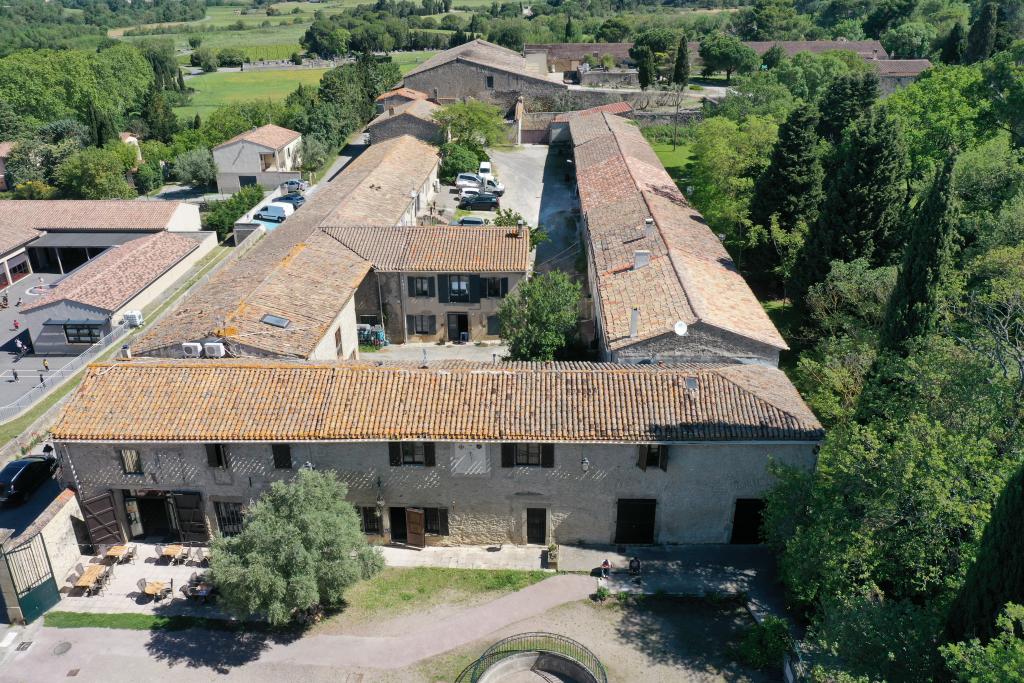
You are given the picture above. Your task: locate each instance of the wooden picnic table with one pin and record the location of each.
(90, 576)
(173, 551)
(154, 587)
(117, 552)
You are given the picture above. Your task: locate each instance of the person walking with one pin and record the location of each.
(46, 365)
(42, 379)
(15, 374)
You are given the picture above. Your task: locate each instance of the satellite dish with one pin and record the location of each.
(680, 328)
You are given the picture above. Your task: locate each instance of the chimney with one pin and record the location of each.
(648, 228)
(391, 111)
(634, 323)
(641, 258)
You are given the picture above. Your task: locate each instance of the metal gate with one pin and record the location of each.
(101, 520)
(191, 520)
(30, 569)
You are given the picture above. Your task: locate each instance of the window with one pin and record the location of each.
(282, 456)
(217, 455)
(458, 288)
(369, 521)
(527, 455)
(421, 286)
(422, 324)
(493, 325)
(495, 287)
(411, 453)
(435, 521)
(131, 461)
(369, 320)
(275, 321)
(652, 455)
(229, 517)
(490, 81)
(83, 333)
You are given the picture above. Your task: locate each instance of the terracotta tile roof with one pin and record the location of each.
(613, 108)
(207, 400)
(421, 109)
(485, 249)
(269, 136)
(485, 54)
(901, 67)
(580, 50)
(13, 235)
(110, 280)
(407, 93)
(5, 148)
(374, 188)
(866, 49)
(297, 271)
(102, 215)
(690, 276)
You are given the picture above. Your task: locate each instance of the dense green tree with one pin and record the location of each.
(161, 123)
(658, 40)
(647, 71)
(324, 39)
(538, 318)
(721, 52)
(787, 196)
(1004, 87)
(759, 94)
(981, 39)
(195, 167)
(954, 48)
(379, 74)
(613, 30)
(205, 58)
(865, 192)
(886, 14)
(772, 20)
(313, 154)
(161, 57)
(93, 174)
(456, 159)
(195, 41)
(808, 75)
(773, 57)
(910, 40)
(997, 575)
(222, 214)
(472, 123)
(1001, 660)
(681, 68)
(570, 32)
(845, 99)
(300, 548)
(922, 285)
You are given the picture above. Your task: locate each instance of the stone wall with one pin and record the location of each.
(459, 80)
(702, 343)
(486, 503)
(404, 124)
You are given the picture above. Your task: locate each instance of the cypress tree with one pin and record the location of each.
(955, 46)
(914, 303)
(568, 28)
(196, 122)
(997, 575)
(864, 196)
(645, 65)
(982, 38)
(181, 81)
(845, 99)
(681, 69)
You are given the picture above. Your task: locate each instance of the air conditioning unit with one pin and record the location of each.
(214, 349)
(192, 349)
(133, 318)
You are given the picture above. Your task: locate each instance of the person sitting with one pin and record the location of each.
(634, 567)
(606, 567)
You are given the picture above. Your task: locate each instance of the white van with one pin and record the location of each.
(274, 212)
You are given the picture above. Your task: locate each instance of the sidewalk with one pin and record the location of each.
(467, 557)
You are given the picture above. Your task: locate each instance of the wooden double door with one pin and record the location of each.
(408, 526)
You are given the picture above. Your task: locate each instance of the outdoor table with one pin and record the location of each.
(90, 576)
(154, 588)
(172, 551)
(117, 552)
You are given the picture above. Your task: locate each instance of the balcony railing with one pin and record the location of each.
(548, 643)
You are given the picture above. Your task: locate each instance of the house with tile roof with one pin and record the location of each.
(561, 57)
(481, 70)
(663, 287)
(894, 74)
(397, 97)
(87, 304)
(6, 146)
(415, 118)
(451, 452)
(265, 156)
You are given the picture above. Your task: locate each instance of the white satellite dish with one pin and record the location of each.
(680, 328)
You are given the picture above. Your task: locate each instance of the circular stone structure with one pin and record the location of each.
(535, 656)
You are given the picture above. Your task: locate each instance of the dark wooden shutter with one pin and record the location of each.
(431, 292)
(191, 520)
(442, 520)
(442, 289)
(410, 324)
(474, 289)
(663, 458)
(212, 458)
(101, 520)
(504, 286)
(428, 454)
(508, 455)
(547, 455)
(395, 454)
(412, 286)
(641, 457)
(433, 319)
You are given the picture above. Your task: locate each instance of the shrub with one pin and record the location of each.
(230, 56)
(602, 594)
(222, 215)
(296, 58)
(764, 645)
(456, 159)
(195, 167)
(34, 189)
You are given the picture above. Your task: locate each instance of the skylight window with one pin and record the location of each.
(275, 321)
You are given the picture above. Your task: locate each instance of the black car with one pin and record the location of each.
(20, 478)
(293, 198)
(480, 202)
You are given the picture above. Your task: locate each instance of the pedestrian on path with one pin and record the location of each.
(46, 365)
(15, 373)
(42, 379)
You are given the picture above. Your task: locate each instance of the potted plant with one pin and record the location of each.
(553, 556)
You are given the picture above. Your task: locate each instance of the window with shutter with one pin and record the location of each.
(528, 454)
(493, 325)
(429, 459)
(508, 455)
(217, 456)
(131, 461)
(370, 521)
(547, 455)
(395, 454)
(652, 455)
(413, 453)
(282, 456)
(442, 289)
(474, 289)
(435, 521)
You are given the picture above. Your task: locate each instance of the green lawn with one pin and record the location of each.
(675, 160)
(146, 622)
(217, 89)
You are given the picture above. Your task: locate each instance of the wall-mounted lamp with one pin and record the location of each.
(585, 464)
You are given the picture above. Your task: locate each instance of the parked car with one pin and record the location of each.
(293, 198)
(465, 180)
(295, 186)
(21, 477)
(274, 212)
(481, 202)
(466, 192)
(472, 221)
(485, 169)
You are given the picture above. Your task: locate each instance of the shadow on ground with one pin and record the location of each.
(693, 633)
(220, 648)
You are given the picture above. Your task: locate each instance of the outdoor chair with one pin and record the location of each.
(184, 557)
(194, 579)
(141, 585)
(129, 556)
(168, 590)
(159, 552)
(79, 569)
(201, 557)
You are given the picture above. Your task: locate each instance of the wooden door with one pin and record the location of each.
(415, 532)
(635, 521)
(536, 525)
(191, 520)
(101, 520)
